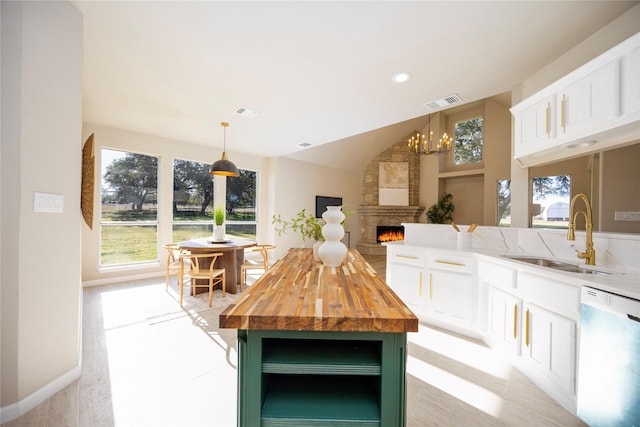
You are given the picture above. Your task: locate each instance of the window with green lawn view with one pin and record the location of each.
(129, 214)
(192, 200)
(550, 201)
(468, 141)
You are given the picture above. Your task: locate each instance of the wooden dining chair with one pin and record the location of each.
(258, 266)
(172, 264)
(196, 268)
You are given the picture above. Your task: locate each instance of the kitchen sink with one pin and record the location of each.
(555, 265)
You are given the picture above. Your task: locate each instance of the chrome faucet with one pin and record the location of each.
(590, 254)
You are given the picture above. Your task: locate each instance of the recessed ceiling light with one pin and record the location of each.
(304, 144)
(401, 77)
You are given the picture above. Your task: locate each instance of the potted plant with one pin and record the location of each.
(307, 226)
(441, 212)
(218, 218)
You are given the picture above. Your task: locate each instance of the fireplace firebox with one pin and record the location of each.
(389, 233)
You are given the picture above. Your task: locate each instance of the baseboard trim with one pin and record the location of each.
(18, 409)
(119, 279)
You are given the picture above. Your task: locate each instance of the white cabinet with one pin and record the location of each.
(550, 323)
(590, 101)
(451, 291)
(503, 327)
(437, 286)
(550, 345)
(535, 126)
(596, 106)
(503, 307)
(406, 275)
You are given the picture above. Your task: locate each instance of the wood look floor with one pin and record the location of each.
(149, 363)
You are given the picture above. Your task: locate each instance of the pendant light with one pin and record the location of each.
(223, 166)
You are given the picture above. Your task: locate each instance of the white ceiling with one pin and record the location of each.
(317, 72)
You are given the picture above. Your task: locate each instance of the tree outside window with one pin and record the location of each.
(192, 200)
(468, 141)
(129, 220)
(241, 205)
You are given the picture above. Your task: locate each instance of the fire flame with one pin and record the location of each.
(390, 236)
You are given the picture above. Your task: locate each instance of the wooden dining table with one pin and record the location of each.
(231, 259)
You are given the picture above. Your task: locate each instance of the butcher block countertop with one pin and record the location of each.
(298, 294)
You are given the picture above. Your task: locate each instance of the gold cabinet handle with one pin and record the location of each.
(546, 119)
(420, 286)
(430, 286)
(415, 258)
(515, 321)
(562, 114)
(526, 328)
(457, 264)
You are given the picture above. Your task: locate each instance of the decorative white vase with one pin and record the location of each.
(316, 247)
(219, 233)
(332, 251)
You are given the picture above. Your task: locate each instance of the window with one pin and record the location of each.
(241, 205)
(468, 140)
(192, 200)
(504, 203)
(550, 201)
(129, 220)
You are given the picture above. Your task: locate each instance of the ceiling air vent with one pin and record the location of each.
(246, 112)
(444, 102)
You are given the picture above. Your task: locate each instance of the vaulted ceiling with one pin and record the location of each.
(315, 72)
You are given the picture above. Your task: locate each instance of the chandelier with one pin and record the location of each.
(424, 144)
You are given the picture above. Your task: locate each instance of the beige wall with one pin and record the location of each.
(41, 152)
(295, 185)
(473, 186)
(620, 188)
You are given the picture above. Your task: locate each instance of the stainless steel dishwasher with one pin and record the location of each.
(609, 359)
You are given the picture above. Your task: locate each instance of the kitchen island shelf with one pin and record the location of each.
(306, 356)
(302, 400)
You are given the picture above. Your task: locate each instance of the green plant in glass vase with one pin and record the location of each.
(307, 226)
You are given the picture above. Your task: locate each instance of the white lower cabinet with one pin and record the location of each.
(529, 317)
(451, 290)
(503, 325)
(406, 275)
(550, 345)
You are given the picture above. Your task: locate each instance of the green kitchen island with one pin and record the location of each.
(320, 346)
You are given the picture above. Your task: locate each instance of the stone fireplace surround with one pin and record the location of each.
(372, 214)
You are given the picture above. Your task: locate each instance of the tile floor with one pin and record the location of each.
(149, 363)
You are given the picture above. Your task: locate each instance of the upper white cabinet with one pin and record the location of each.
(594, 107)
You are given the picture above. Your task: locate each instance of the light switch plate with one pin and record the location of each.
(46, 202)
